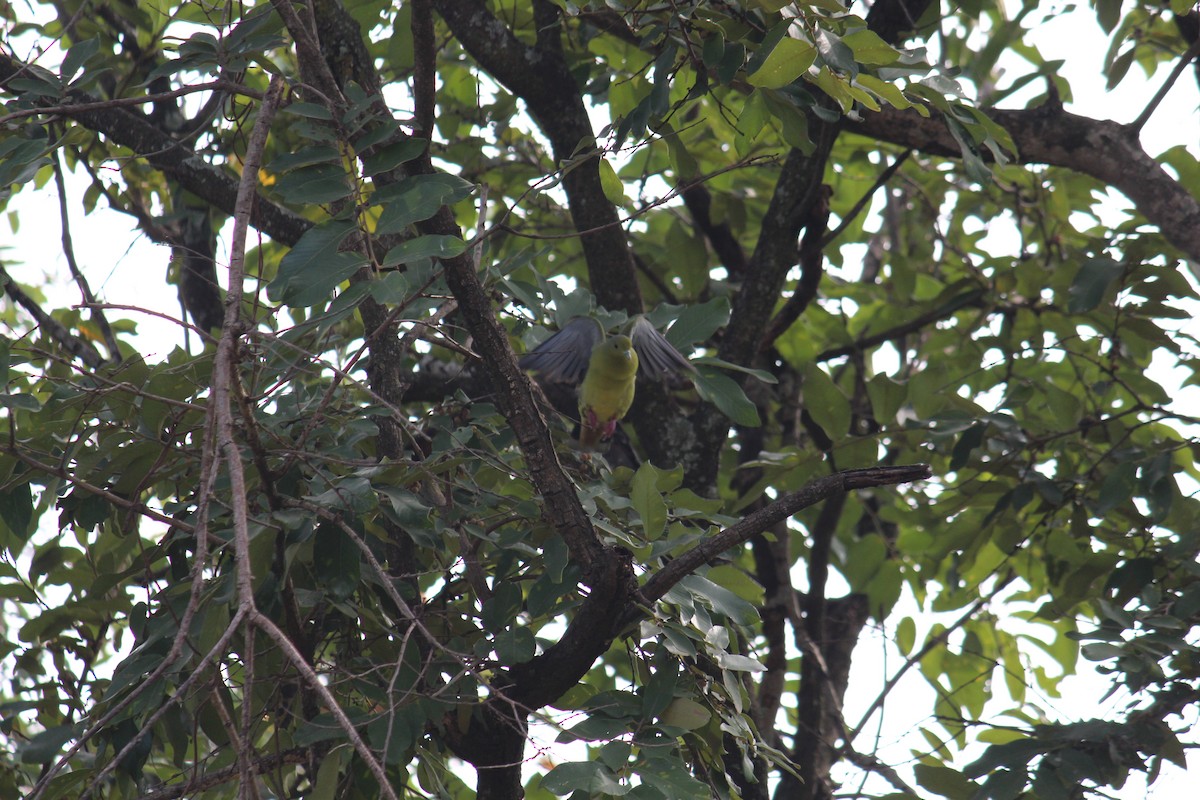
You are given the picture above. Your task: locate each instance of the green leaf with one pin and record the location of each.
(388, 158)
(685, 164)
(759, 374)
(648, 501)
(825, 403)
(319, 183)
(337, 561)
(305, 157)
(887, 396)
(406, 510)
(790, 59)
(944, 781)
(868, 48)
(575, 698)
(977, 170)
(20, 160)
(329, 774)
(25, 402)
(16, 510)
(721, 599)
(1119, 68)
(732, 59)
(502, 607)
(417, 198)
(835, 53)
(309, 111)
(428, 246)
(590, 777)
(68, 784)
(1101, 651)
(863, 559)
(970, 439)
(686, 714)
(324, 727)
(1092, 282)
(906, 635)
(35, 81)
(738, 581)
(778, 32)
(887, 91)
(42, 748)
(739, 663)
(311, 270)
(688, 257)
(1117, 488)
(5, 358)
(613, 189)
(697, 323)
(660, 689)
(792, 121)
(515, 645)
(1108, 14)
(669, 778)
(727, 395)
(77, 57)
(751, 123)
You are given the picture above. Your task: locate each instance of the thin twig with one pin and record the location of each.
(117, 102)
(221, 409)
(916, 657)
(110, 341)
(880, 181)
(198, 783)
(1180, 66)
(148, 725)
(944, 311)
(267, 626)
(675, 191)
(76, 482)
(79, 348)
(811, 494)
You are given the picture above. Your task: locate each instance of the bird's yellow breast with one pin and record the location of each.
(608, 386)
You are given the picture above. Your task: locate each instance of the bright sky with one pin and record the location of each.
(1177, 121)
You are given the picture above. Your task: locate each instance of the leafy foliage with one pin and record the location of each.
(335, 545)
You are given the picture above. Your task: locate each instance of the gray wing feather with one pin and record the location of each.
(563, 358)
(656, 356)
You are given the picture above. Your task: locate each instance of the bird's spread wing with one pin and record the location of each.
(657, 356)
(563, 358)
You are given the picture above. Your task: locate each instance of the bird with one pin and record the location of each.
(605, 368)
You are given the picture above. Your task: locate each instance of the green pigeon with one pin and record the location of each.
(605, 368)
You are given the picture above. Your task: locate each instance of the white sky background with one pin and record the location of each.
(1079, 41)
(125, 268)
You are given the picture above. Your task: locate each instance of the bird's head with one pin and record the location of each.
(615, 355)
(621, 346)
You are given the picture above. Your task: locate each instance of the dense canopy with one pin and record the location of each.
(327, 539)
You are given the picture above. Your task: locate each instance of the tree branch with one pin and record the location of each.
(213, 184)
(1188, 57)
(196, 784)
(880, 181)
(699, 204)
(1105, 150)
(811, 494)
(85, 289)
(812, 262)
(945, 311)
(79, 348)
(424, 68)
(540, 76)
